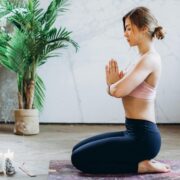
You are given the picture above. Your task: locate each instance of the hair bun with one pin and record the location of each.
(159, 32)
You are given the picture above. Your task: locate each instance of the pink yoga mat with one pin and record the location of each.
(64, 170)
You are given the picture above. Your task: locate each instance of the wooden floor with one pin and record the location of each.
(56, 141)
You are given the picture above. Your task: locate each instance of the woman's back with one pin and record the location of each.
(143, 107)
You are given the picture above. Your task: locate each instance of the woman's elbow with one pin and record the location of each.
(117, 93)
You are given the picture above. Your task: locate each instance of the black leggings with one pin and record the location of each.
(118, 152)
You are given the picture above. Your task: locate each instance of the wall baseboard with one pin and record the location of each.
(44, 123)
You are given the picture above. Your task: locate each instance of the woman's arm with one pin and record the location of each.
(128, 83)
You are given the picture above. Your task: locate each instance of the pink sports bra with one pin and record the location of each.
(144, 91)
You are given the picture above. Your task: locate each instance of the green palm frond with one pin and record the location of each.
(7, 7)
(19, 20)
(56, 39)
(26, 21)
(62, 5)
(49, 52)
(34, 10)
(61, 35)
(53, 10)
(33, 5)
(18, 52)
(33, 41)
(39, 95)
(10, 52)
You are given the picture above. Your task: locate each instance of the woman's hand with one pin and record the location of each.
(112, 72)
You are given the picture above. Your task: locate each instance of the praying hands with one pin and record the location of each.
(112, 72)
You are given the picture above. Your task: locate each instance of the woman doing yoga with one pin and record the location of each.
(132, 150)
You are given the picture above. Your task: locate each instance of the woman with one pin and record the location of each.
(132, 150)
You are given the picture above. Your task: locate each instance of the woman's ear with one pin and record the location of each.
(145, 29)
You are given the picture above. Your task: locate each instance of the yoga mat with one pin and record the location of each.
(64, 170)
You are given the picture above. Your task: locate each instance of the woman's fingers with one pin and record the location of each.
(113, 66)
(107, 69)
(121, 74)
(107, 74)
(116, 66)
(110, 66)
(112, 72)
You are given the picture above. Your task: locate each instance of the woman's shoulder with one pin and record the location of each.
(154, 55)
(150, 60)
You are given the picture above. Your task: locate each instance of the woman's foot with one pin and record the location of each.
(153, 166)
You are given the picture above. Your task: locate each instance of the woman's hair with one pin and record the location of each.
(142, 17)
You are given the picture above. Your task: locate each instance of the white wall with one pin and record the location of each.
(75, 82)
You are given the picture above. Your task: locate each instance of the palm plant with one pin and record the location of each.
(33, 41)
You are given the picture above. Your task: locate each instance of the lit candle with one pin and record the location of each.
(9, 168)
(9, 155)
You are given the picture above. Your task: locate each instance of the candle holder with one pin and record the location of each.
(10, 170)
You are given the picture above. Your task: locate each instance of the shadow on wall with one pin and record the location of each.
(8, 95)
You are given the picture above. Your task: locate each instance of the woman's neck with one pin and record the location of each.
(145, 47)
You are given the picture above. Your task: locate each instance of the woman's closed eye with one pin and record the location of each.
(128, 29)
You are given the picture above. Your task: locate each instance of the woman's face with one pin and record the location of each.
(131, 33)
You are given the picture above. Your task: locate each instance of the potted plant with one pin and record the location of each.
(32, 42)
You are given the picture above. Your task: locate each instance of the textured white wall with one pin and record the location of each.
(76, 88)
(75, 82)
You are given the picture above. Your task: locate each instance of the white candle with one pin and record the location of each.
(9, 155)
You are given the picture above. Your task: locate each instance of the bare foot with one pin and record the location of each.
(166, 165)
(153, 166)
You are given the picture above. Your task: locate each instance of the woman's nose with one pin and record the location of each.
(125, 34)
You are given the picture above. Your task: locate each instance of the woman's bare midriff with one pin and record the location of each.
(136, 108)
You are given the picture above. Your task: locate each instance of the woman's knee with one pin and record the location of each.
(75, 159)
